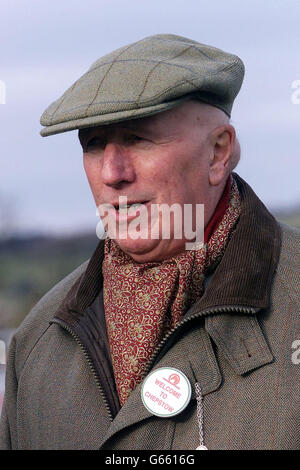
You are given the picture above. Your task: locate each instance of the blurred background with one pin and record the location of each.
(47, 215)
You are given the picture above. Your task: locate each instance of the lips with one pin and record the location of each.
(129, 205)
(125, 211)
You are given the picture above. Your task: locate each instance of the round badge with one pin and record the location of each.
(166, 392)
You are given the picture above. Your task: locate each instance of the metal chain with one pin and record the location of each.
(199, 398)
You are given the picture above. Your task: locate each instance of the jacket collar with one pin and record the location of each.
(236, 280)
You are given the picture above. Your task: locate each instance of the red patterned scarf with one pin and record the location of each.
(143, 301)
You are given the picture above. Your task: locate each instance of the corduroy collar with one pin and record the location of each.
(243, 277)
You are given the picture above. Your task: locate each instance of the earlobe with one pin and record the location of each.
(216, 175)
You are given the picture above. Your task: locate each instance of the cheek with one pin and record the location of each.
(87, 167)
(165, 167)
(91, 168)
(171, 177)
(92, 171)
(154, 173)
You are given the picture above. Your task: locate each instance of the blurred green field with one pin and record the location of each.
(30, 267)
(292, 219)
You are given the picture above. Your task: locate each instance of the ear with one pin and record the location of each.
(222, 141)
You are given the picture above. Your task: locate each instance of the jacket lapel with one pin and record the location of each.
(241, 340)
(194, 356)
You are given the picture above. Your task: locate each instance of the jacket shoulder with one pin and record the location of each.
(289, 259)
(37, 321)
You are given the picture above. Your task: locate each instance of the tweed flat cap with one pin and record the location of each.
(145, 78)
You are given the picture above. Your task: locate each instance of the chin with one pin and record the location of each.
(144, 251)
(138, 249)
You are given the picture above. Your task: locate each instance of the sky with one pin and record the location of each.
(46, 45)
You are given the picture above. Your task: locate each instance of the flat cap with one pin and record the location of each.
(145, 78)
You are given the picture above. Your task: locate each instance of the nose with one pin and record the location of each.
(117, 167)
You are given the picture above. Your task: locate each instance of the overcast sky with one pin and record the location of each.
(46, 45)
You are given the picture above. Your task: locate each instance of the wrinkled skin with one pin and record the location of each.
(183, 155)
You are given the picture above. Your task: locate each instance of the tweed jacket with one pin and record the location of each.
(237, 341)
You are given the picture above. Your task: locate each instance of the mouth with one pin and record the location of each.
(131, 205)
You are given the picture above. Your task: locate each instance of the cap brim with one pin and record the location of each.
(103, 119)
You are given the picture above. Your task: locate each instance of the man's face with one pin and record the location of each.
(162, 159)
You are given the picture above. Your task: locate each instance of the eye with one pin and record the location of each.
(95, 142)
(135, 138)
(138, 139)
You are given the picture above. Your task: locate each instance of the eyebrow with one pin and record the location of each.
(84, 133)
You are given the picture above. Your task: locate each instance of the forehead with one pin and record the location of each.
(189, 117)
(173, 119)
(150, 124)
(124, 125)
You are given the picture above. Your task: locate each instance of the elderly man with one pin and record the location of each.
(152, 344)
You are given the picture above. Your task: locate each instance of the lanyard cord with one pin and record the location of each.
(199, 399)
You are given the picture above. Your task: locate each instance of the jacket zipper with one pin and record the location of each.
(162, 343)
(90, 362)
